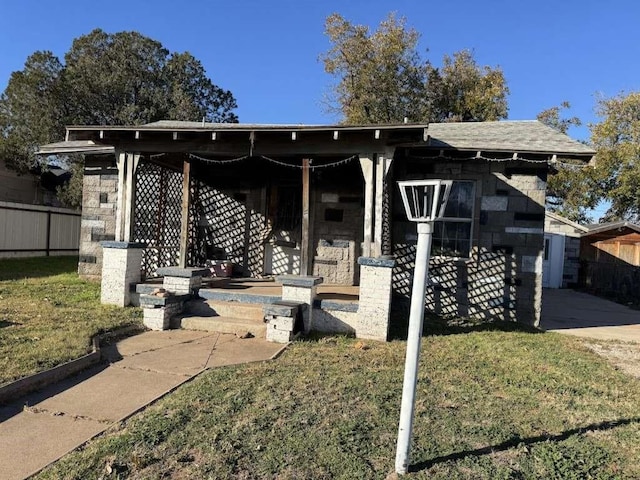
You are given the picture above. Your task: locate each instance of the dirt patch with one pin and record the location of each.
(625, 356)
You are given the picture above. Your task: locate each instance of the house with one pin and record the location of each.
(610, 255)
(322, 201)
(561, 254)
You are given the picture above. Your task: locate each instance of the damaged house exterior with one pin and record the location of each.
(322, 202)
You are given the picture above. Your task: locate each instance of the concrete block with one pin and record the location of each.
(279, 336)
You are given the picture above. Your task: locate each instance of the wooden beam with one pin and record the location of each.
(305, 244)
(186, 202)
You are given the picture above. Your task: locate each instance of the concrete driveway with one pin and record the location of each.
(583, 315)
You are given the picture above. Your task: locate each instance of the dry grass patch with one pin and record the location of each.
(48, 315)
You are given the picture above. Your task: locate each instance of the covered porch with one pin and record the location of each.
(250, 205)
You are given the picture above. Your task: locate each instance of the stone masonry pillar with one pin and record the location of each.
(301, 288)
(374, 306)
(181, 281)
(121, 263)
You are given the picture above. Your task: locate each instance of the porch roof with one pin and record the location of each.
(527, 136)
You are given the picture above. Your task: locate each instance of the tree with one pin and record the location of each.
(115, 79)
(617, 142)
(32, 110)
(463, 91)
(383, 79)
(570, 190)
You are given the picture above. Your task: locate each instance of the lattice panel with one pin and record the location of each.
(458, 288)
(386, 245)
(223, 225)
(157, 214)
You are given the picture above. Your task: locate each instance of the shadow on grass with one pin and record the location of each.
(437, 325)
(37, 267)
(517, 441)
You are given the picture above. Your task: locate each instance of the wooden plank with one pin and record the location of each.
(186, 202)
(305, 257)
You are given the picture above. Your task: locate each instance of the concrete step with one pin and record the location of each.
(211, 308)
(222, 324)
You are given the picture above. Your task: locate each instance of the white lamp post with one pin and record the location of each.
(424, 201)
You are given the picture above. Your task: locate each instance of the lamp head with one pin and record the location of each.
(425, 200)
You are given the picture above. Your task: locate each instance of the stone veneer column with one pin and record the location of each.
(375, 298)
(301, 288)
(182, 280)
(121, 263)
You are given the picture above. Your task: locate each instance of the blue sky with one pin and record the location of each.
(266, 52)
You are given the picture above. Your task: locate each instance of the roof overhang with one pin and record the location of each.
(514, 139)
(76, 146)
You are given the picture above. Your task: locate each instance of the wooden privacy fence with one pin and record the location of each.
(34, 230)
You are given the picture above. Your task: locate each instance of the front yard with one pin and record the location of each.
(494, 401)
(490, 405)
(48, 315)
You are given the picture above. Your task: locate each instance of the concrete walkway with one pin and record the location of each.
(584, 315)
(42, 427)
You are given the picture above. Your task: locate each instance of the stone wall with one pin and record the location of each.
(502, 277)
(99, 198)
(338, 232)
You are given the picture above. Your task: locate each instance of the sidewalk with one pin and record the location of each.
(583, 315)
(42, 427)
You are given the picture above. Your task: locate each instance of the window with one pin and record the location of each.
(452, 233)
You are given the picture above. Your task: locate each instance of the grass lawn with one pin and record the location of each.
(48, 315)
(492, 404)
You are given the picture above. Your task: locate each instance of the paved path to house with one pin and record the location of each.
(584, 315)
(42, 427)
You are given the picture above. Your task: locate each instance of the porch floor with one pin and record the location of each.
(270, 290)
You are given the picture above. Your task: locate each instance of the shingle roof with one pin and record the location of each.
(604, 227)
(509, 136)
(523, 136)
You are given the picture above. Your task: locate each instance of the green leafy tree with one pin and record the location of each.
(32, 110)
(381, 78)
(617, 140)
(571, 189)
(114, 79)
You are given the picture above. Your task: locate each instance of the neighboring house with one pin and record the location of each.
(561, 264)
(303, 199)
(19, 188)
(31, 189)
(610, 254)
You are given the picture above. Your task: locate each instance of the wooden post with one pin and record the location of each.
(382, 166)
(186, 202)
(121, 159)
(130, 195)
(366, 163)
(305, 259)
